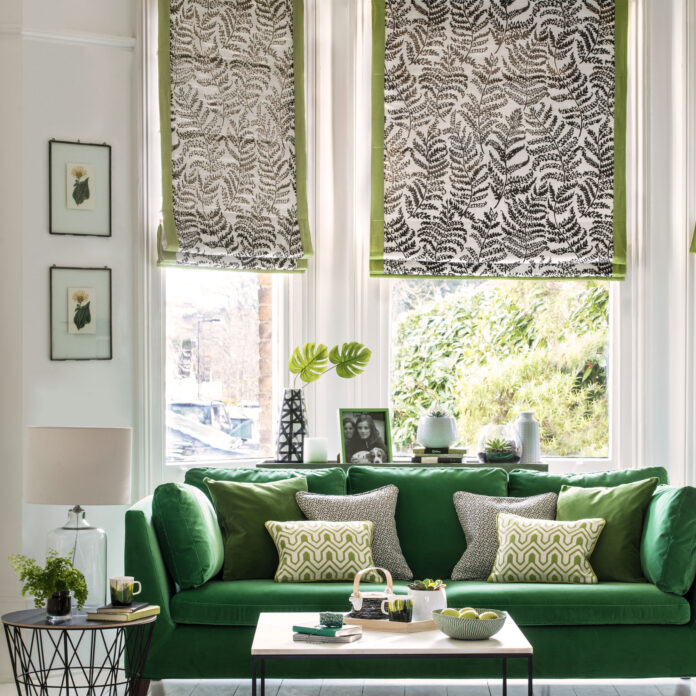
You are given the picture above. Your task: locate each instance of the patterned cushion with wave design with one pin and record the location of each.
(545, 550)
(322, 551)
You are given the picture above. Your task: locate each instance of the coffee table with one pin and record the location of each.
(273, 640)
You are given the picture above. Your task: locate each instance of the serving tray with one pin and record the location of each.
(394, 626)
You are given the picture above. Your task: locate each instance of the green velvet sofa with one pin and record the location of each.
(608, 630)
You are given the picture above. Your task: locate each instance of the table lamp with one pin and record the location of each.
(65, 466)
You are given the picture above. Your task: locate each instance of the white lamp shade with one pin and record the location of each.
(78, 466)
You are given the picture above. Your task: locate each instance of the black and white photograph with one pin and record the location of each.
(365, 435)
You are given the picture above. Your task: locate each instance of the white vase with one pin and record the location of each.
(528, 431)
(425, 601)
(437, 432)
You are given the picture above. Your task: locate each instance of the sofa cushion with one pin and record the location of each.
(188, 534)
(668, 547)
(243, 509)
(427, 524)
(617, 554)
(328, 481)
(524, 483)
(239, 603)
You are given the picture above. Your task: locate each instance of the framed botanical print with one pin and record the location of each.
(365, 435)
(79, 185)
(80, 301)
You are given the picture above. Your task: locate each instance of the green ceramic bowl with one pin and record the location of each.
(469, 629)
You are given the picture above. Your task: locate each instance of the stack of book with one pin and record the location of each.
(438, 455)
(137, 610)
(322, 634)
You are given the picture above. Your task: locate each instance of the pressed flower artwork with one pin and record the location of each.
(81, 304)
(79, 186)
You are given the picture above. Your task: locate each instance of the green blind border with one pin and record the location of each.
(167, 230)
(377, 164)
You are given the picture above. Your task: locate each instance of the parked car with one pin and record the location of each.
(216, 415)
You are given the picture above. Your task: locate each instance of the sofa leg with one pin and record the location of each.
(143, 687)
(685, 678)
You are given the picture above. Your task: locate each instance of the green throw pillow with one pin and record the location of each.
(242, 510)
(668, 547)
(322, 551)
(617, 555)
(188, 534)
(545, 550)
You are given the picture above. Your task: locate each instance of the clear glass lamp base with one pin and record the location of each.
(86, 546)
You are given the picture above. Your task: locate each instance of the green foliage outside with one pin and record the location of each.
(492, 348)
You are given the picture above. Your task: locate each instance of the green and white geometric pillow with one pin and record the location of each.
(322, 551)
(545, 550)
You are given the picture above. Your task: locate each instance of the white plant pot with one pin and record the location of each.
(437, 432)
(425, 601)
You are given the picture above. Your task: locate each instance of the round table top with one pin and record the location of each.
(36, 618)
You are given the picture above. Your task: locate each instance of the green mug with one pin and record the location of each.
(398, 609)
(123, 590)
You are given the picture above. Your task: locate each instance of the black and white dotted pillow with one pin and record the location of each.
(478, 515)
(376, 506)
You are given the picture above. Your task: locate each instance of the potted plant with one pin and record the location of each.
(308, 363)
(498, 444)
(427, 595)
(52, 586)
(438, 427)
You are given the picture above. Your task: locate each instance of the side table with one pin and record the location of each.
(77, 656)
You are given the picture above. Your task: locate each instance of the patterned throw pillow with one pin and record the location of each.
(322, 551)
(545, 550)
(478, 515)
(378, 507)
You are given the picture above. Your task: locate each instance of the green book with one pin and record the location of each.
(324, 631)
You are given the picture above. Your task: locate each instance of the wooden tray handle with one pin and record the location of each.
(358, 577)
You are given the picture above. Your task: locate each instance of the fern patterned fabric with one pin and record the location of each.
(322, 551)
(233, 134)
(499, 138)
(545, 550)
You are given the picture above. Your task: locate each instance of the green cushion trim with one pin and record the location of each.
(523, 483)
(431, 537)
(327, 481)
(243, 509)
(240, 603)
(188, 533)
(617, 554)
(668, 547)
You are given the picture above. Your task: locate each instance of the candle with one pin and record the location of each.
(315, 449)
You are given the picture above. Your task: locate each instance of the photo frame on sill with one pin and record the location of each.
(79, 188)
(365, 435)
(80, 313)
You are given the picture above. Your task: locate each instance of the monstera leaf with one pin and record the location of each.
(350, 360)
(309, 361)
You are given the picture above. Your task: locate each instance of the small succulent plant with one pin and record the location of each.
(426, 584)
(438, 412)
(498, 444)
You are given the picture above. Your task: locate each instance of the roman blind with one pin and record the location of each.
(231, 93)
(498, 138)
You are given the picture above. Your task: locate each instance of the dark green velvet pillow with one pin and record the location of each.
(617, 554)
(188, 534)
(431, 537)
(668, 548)
(326, 481)
(522, 484)
(243, 509)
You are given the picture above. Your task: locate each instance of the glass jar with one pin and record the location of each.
(498, 444)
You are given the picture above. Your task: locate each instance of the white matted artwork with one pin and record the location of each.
(79, 188)
(80, 313)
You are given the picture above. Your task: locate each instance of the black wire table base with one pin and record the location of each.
(87, 662)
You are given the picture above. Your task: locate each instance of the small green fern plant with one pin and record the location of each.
(311, 360)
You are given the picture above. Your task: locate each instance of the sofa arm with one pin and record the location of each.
(143, 560)
(668, 546)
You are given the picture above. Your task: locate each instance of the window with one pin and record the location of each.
(492, 348)
(219, 371)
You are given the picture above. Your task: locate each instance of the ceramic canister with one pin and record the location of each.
(424, 601)
(528, 432)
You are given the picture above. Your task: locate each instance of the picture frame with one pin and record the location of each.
(375, 424)
(80, 313)
(79, 188)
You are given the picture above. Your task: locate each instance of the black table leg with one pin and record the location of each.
(263, 677)
(253, 676)
(505, 676)
(530, 683)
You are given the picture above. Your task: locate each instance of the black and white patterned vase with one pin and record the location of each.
(292, 427)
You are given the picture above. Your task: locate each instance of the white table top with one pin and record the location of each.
(274, 637)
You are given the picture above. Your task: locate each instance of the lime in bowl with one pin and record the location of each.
(470, 623)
